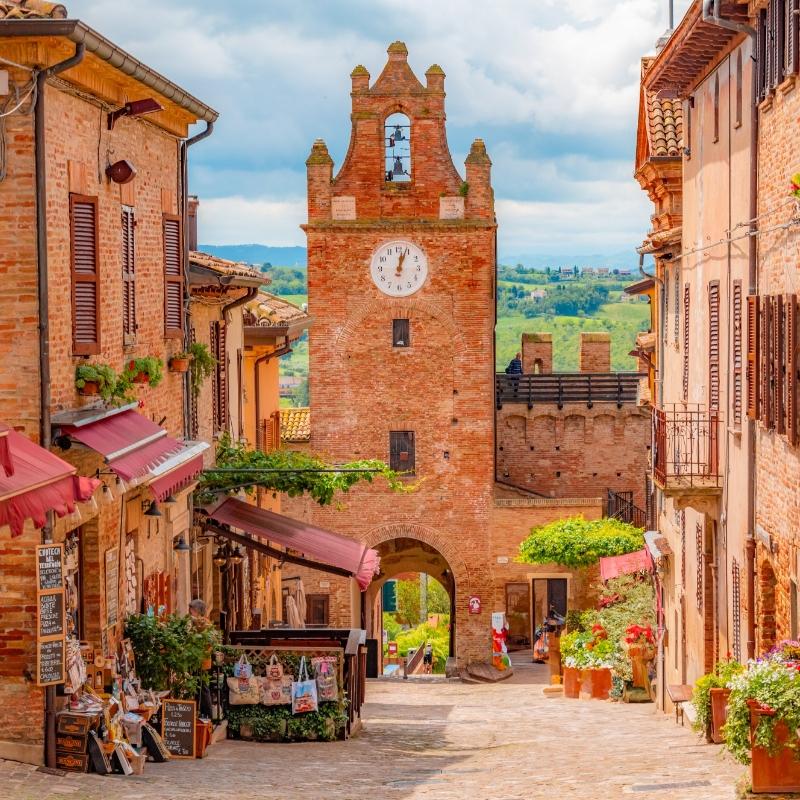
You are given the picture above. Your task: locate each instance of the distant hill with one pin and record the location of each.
(259, 254)
(621, 260)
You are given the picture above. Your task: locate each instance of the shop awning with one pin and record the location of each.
(613, 566)
(6, 465)
(137, 449)
(321, 549)
(34, 481)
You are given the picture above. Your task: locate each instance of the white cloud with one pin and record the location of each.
(240, 220)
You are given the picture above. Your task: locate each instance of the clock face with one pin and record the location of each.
(399, 268)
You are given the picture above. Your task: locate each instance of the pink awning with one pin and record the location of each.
(613, 566)
(135, 447)
(5, 453)
(39, 482)
(330, 548)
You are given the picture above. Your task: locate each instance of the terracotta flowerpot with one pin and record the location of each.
(90, 388)
(641, 655)
(179, 365)
(141, 377)
(572, 683)
(778, 773)
(719, 713)
(202, 737)
(595, 684)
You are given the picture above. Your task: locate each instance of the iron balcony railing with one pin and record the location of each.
(568, 387)
(620, 506)
(686, 448)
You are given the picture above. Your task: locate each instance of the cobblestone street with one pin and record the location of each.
(438, 739)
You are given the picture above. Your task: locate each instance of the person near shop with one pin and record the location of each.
(200, 621)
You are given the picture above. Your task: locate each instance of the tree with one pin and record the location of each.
(300, 394)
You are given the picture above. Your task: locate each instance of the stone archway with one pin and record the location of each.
(410, 547)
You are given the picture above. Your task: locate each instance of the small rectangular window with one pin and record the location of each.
(401, 333)
(402, 456)
(318, 609)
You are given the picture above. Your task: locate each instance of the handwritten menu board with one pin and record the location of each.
(50, 614)
(50, 662)
(178, 719)
(112, 586)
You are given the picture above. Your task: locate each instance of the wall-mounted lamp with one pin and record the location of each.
(153, 510)
(169, 500)
(136, 108)
(180, 546)
(121, 171)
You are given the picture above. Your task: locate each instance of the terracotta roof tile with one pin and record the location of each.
(224, 267)
(31, 9)
(664, 125)
(269, 309)
(295, 424)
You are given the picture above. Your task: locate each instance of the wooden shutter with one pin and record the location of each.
(128, 275)
(779, 41)
(778, 364)
(220, 401)
(402, 455)
(792, 34)
(738, 360)
(194, 417)
(791, 368)
(761, 55)
(765, 365)
(716, 106)
(173, 276)
(677, 301)
(686, 342)
(739, 87)
(753, 341)
(713, 346)
(85, 269)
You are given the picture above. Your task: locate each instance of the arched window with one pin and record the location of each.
(537, 366)
(397, 146)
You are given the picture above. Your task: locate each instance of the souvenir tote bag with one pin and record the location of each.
(243, 668)
(244, 691)
(274, 668)
(325, 671)
(304, 691)
(276, 692)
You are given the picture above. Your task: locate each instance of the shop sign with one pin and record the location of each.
(51, 623)
(178, 719)
(392, 648)
(112, 586)
(474, 604)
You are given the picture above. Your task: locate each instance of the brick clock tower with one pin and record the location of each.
(401, 284)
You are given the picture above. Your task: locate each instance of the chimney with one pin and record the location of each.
(191, 220)
(595, 352)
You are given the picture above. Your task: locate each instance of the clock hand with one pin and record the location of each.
(400, 263)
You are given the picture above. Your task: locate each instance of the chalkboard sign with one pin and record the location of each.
(112, 586)
(50, 566)
(51, 614)
(177, 727)
(50, 662)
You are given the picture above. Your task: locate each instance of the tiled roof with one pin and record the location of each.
(224, 267)
(664, 125)
(31, 9)
(295, 424)
(269, 309)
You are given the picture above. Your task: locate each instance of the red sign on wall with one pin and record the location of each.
(392, 648)
(474, 604)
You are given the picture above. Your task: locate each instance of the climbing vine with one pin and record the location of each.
(291, 472)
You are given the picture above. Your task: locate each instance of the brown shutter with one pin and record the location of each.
(765, 365)
(791, 368)
(761, 55)
(716, 106)
(173, 276)
(85, 283)
(777, 364)
(128, 275)
(220, 401)
(780, 40)
(194, 418)
(753, 376)
(792, 31)
(737, 352)
(713, 346)
(686, 342)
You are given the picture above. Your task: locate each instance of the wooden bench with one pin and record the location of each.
(679, 693)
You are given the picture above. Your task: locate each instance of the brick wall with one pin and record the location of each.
(595, 352)
(537, 353)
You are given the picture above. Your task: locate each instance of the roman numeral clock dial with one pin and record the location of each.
(399, 268)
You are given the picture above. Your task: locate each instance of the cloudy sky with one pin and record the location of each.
(551, 85)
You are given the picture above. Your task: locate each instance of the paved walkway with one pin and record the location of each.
(434, 739)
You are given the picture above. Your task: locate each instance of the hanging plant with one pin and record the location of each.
(179, 362)
(95, 379)
(201, 366)
(147, 369)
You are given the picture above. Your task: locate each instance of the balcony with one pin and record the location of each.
(560, 388)
(686, 455)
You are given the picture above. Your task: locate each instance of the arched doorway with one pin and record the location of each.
(411, 560)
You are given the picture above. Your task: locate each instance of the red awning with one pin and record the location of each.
(330, 548)
(136, 448)
(39, 482)
(613, 566)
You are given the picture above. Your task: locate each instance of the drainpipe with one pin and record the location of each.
(252, 293)
(750, 547)
(44, 333)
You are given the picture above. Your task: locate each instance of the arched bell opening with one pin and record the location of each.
(397, 148)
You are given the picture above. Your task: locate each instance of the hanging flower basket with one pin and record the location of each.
(178, 364)
(89, 389)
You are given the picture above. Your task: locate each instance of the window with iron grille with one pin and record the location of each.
(665, 305)
(402, 455)
(700, 555)
(713, 346)
(677, 301)
(736, 601)
(401, 333)
(686, 342)
(738, 354)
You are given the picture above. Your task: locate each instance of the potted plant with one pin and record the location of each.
(596, 675)
(710, 699)
(147, 369)
(201, 366)
(641, 646)
(573, 657)
(179, 362)
(94, 379)
(763, 720)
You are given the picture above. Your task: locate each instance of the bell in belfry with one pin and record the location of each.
(398, 170)
(398, 134)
